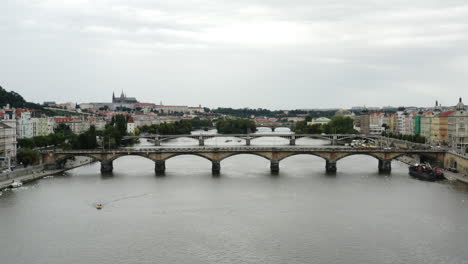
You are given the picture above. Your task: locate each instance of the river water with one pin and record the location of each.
(245, 215)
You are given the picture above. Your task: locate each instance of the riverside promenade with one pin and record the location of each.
(37, 172)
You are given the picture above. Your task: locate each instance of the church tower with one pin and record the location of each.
(460, 106)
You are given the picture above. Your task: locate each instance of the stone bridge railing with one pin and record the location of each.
(216, 154)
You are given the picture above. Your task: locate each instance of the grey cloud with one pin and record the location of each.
(258, 53)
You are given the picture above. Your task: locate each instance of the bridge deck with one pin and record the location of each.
(248, 148)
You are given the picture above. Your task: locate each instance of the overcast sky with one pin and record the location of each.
(245, 53)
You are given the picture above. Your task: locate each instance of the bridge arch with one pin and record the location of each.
(245, 153)
(132, 154)
(308, 154)
(166, 139)
(358, 153)
(188, 154)
(285, 138)
(61, 159)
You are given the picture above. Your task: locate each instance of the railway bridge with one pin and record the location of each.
(215, 155)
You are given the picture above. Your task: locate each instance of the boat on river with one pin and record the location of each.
(16, 184)
(426, 173)
(99, 206)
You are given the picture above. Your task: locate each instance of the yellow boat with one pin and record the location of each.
(99, 206)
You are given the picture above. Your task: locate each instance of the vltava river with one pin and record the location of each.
(246, 215)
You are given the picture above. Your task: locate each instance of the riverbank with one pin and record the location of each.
(451, 176)
(37, 172)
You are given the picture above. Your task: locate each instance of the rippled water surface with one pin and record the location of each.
(246, 215)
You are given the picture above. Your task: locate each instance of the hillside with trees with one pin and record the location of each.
(15, 100)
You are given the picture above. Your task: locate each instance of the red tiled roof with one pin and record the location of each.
(171, 106)
(20, 110)
(445, 114)
(144, 104)
(63, 119)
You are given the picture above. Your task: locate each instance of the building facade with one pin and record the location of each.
(458, 126)
(8, 141)
(25, 125)
(43, 126)
(426, 124)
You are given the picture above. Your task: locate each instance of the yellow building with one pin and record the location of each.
(426, 124)
(439, 128)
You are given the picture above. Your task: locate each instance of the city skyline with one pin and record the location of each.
(303, 54)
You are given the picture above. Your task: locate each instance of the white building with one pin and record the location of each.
(100, 125)
(7, 140)
(400, 122)
(130, 126)
(25, 126)
(320, 121)
(458, 126)
(43, 126)
(376, 129)
(78, 126)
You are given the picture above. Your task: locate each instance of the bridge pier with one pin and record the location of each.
(385, 166)
(106, 166)
(247, 141)
(201, 141)
(274, 166)
(160, 167)
(334, 139)
(330, 166)
(157, 142)
(215, 167)
(292, 141)
(272, 129)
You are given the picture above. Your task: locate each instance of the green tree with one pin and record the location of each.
(235, 126)
(26, 143)
(340, 125)
(27, 157)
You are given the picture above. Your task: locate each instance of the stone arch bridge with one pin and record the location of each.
(247, 138)
(216, 154)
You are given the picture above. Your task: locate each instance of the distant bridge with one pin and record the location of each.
(274, 125)
(217, 154)
(247, 138)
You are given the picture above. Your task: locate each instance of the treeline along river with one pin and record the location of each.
(246, 215)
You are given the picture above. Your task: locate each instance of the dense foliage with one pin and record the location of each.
(176, 128)
(235, 126)
(246, 112)
(15, 100)
(85, 140)
(337, 125)
(28, 157)
(412, 138)
(198, 123)
(63, 138)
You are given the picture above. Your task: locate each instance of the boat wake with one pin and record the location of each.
(121, 199)
(126, 198)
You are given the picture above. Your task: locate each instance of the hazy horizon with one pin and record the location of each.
(259, 54)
